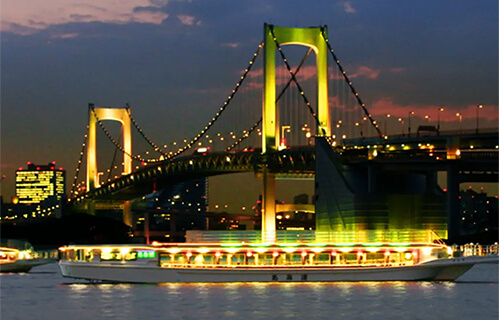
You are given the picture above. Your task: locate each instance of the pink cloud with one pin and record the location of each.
(380, 108)
(397, 70)
(359, 71)
(231, 44)
(64, 36)
(365, 71)
(27, 16)
(188, 20)
(347, 6)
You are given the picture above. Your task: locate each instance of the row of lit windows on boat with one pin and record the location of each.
(249, 258)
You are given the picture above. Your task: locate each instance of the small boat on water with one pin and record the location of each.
(261, 262)
(19, 256)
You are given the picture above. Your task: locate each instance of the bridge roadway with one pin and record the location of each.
(479, 164)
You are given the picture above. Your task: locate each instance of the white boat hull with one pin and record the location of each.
(23, 265)
(437, 270)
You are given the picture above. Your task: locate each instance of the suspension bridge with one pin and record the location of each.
(310, 124)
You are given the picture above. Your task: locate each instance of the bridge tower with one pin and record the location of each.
(310, 37)
(98, 114)
(114, 114)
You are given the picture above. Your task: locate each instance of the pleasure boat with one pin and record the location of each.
(20, 258)
(265, 262)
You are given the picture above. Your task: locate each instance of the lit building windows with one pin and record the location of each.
(37, 184)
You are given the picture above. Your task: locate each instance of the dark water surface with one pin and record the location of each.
(45, 294)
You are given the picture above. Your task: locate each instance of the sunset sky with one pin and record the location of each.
(171, 59)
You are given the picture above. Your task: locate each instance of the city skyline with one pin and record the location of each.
(170, 59)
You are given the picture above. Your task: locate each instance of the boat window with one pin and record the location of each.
(71, 255)
(114, 255)
(349, 258)
(250, 260)
(408, 257)
(322, 258)
(375, 258)
(89, 255)
(266, 259)
(394, 257)
(209, 258)
(223, 259)
(294, 258)
(80, 255)
(165, 258)
(280, 259)
(180, 258)
(237, 258)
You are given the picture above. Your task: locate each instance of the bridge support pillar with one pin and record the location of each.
(314, 38)
(268, 207)
(127, 213)
(453, 222)
(91, 208)
(147, 234)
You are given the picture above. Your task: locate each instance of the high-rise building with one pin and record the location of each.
(40, 184)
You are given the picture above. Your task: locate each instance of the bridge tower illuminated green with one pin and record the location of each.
(310, 37)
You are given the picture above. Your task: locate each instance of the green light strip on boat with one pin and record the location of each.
(231, 245)
(372, 244)
(344, 244)
(288, 244)
(316, 244)
(259, 245)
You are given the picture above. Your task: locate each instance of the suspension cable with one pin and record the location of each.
(78, 167)
(106, 132)
(136, 125)
(355, 93)
(193, 140)
(222, 109)
(114, 159)
(302, 62)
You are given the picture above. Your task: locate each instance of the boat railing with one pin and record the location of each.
(475, 249)
(313, 236)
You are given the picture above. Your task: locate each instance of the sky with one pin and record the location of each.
(175, 61)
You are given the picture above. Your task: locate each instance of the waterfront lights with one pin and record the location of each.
(477, 110)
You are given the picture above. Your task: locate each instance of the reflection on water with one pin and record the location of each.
(46, 295)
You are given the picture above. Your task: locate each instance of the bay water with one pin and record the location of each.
(44, 294)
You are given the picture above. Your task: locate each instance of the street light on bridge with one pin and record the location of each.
(409, 124)
(386, 121)
(283, 140)
(460, 121)
(401, 120)
(308, 134)
(477, 110)
(438, 118)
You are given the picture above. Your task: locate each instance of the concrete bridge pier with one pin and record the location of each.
(127, 213)
(453, 203)
(269, 207)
